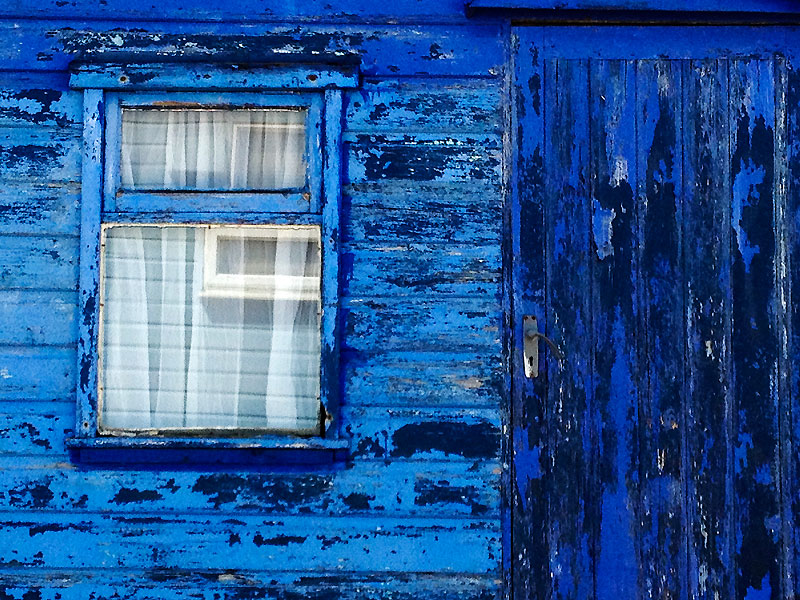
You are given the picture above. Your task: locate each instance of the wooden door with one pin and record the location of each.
(651, 191)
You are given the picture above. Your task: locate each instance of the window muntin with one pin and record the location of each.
(213, 149)
(262, 262)
(175, 357)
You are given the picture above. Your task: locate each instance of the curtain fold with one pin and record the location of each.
(174, 354)
(175, 357)
(213, 149)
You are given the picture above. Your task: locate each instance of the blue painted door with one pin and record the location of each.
(653, 175)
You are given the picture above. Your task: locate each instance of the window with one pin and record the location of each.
(209, 262)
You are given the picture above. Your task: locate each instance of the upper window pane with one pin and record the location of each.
(213, 149)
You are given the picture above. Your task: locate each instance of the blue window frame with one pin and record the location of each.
(110, 89)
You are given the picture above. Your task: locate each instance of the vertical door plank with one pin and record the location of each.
(528, 556)
(570, 325)
(615, 437)
(706, 247)
(783, 327)
(662, 418)
(793, 452)
(754, 335)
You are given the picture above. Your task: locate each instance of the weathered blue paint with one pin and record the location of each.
(635, 187)
(668, 172)
(417, 228)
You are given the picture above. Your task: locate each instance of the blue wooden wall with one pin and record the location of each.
(420, 508)
(416, 511)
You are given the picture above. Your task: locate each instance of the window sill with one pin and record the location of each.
(268, 451)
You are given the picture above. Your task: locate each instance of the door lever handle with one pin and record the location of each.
(531, 334)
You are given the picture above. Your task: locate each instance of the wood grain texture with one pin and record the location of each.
(385, 50)
(681, 455)
(569, 322)
(661, 313)
(422, 378)
(793, 213)
(141, 540)
(707, 255)
(530, 572)
(616, 153)
(754, 337)
(153, 584)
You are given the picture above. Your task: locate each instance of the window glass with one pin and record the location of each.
(213, 149)
(227, 338)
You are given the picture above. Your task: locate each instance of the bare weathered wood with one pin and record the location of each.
(707, 255)
(614, 507)
(754, 342)
(530, 572)
(569, 322)
(151, 584)
(245, 542)
(662, 418)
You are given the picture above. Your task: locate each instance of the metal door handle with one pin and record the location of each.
(530, 331)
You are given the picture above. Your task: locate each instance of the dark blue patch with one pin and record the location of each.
(481, 440)
(129, 495)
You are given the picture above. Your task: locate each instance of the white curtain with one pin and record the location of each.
(202, 149)
(175, 356)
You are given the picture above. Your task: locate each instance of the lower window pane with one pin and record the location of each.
(174, 356)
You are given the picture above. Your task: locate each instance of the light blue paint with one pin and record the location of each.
(744, 189)
(602, 229)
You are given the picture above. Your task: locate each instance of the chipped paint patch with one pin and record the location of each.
(602, 228)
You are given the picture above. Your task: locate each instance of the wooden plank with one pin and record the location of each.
(435, 196)
(86, 367)
(36, 373)
(706, 250)
(528, 556)
(427, 106)
(424, 433)
(38, 318)
(754, 341)
(422, 325)
(384, 433)
(41, 101)
(422, 158)
(30, 208)
(479, 225)
(429, 270)
(655, 42)
(331, 204)
(782, 226)
(614, 508)
(662, 417)
(391, 50)
(39, 154)
(211, 76)
(36, 429)
(249, 11)
(462, 379)
(406, 489)
(147, 541)
(39, 263)
(793, 214)
(569, 399)
(153, 584)
(780, 7)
